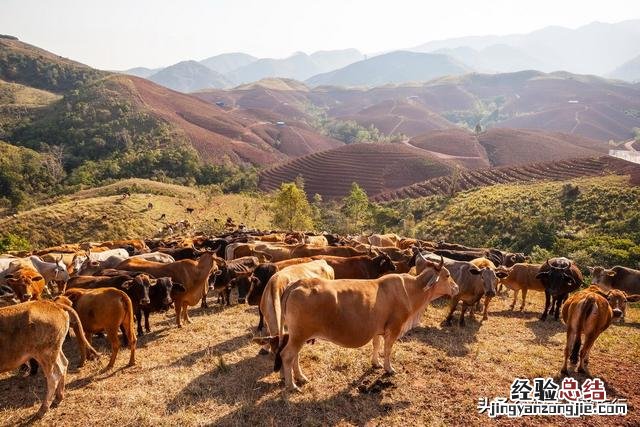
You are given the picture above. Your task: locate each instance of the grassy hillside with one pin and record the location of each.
(594, 220)
(101, 213)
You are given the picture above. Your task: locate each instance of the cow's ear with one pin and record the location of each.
(127, 284)
(611, 273)
(502, 274)
(475, 270)
(633, 298)
(36, 278)
(542, 274)
(179, 287)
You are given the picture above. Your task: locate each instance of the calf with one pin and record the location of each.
(106, 310)
(361, 311)
(522, 277)
(160, 299)
(27, 283)
(587, 313)
(42, 327)
(560, 276)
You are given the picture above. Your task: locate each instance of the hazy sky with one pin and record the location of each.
(119, 34)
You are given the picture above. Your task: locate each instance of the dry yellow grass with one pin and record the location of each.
(209, 373)
(101, 213)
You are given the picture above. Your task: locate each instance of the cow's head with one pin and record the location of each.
(243, 284)
(602, 277)
(618, 300)
(262, 274)
(514, 258)
(26, 284)
(440, 279)
(60, 273)
(489, 279)
(138, 288)
(161, 293)
(383, 263)
(557, 277)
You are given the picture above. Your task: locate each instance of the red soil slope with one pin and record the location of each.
(549, 171)
(376, 167)
(228, 134)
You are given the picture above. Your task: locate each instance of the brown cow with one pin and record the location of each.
(521, 277)
(589, 313)
(27, 283)
(301, 251)
(193, 275)
(42, 326)
(106, 310)
(361, 311)
(622, 278)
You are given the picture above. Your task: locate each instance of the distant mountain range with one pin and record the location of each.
(394, 67)
(596, 48)
(609, 50)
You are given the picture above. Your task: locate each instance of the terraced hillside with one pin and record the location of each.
(376, 167)
(549, 171)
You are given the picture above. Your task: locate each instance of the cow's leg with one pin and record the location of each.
(559, 301)
(547, 299)
(125, 336)
(524, 298)
(571, 341)
(589, 339)
(375, 356)
(390, 337)
(61, 364)
(288, 355)
(46, 362)
(178, 307)
(463, 311)
(185, 310)
(146, 321)
(139, 320)
(485, 314)
(297, 372)
(203, 303)
(452, 308)
(261, 321)
(112, 336)
(515, 298)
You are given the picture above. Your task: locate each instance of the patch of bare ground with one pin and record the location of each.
(210, 373)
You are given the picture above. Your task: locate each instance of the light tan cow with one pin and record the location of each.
(42, 327)
(351, 313)
(271, 296)
(390, 239)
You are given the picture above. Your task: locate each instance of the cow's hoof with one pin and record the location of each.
(390, 370)
(377, 365)
(485, 317)
(263, 352)
(512, 308)
(447, 323)
(302, 380)
(565, 372)
(294, 389)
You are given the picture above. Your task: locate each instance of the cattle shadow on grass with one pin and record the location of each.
(544, 330)
(515, 314)
(219, 349)
(244, 382)
(453, 339)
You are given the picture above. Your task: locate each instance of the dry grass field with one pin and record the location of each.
(209, 373)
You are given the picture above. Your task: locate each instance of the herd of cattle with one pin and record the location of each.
(347, 290)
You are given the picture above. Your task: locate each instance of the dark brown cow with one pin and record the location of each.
(618, 277)
(359, 267)
(230, 270)
(560, 276)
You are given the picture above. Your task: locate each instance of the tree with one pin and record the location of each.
(355, 207)
(291, 209)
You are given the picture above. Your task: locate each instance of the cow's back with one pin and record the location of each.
(626, 279)
(523, 275)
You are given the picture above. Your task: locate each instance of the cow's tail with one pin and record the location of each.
(86, 349)
(587, 309)
(281, 306)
